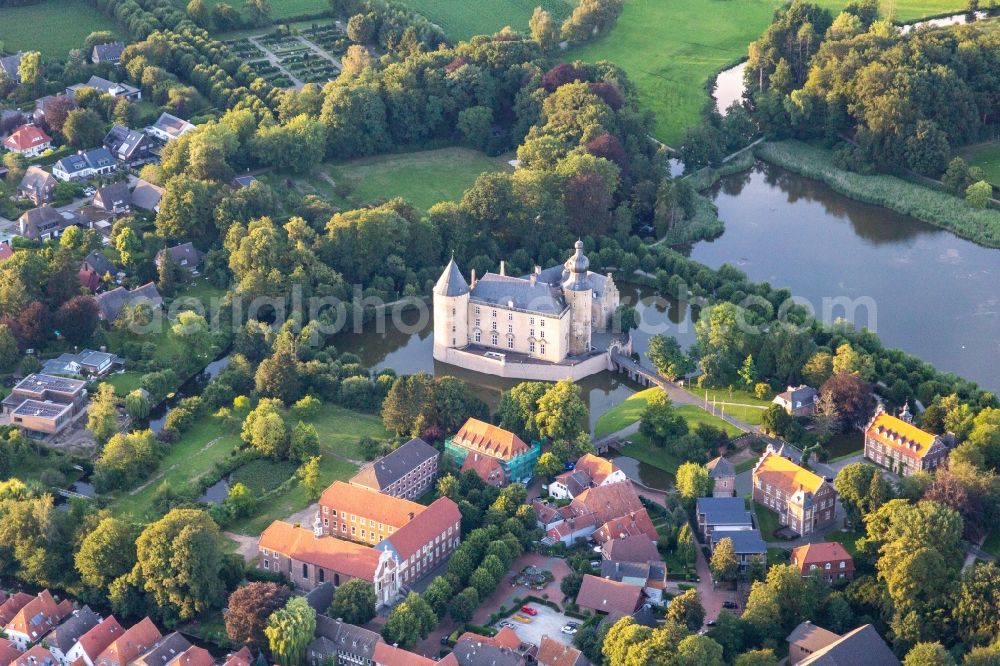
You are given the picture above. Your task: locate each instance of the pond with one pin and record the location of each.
(215, 493)
(920, 287)
(193, 386)
(408, 353)
(729, 87)
(644, 473)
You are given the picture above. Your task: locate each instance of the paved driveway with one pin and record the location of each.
(547, 623)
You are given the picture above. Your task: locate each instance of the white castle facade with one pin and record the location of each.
(534, 327)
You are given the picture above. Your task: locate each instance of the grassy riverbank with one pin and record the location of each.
(937, 208)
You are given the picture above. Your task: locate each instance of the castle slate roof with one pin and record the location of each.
(76, 625)
(861, 647)
(518, 293)
(335, 637)
(394, 466)
(723, 511)
(745, 542)
(720, 467)
(451, 282)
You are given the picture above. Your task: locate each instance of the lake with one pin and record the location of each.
(932, 293)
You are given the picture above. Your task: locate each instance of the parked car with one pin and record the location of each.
(90, 191)
(528, 610)
(568, 630)
(729, 604)
(506, 624)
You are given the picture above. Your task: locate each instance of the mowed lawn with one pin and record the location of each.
(52, 27)
(630, 410)
(671, 48)
(987, 157)
(461, 20)
(423, 178)
(280, 9)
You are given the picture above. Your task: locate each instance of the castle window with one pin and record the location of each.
(494, 314)
(494, 338)
(494, 326)
(453, 329)
(542, 349)
(477, 309)
(510, 328)
(531, 333)
(532, 321)
(477, 322)
(510, 343)
(543, 335)
(510, 316)
(453, 311)
(531, 346)
(479, 336)
(543, 323)
(454, 342)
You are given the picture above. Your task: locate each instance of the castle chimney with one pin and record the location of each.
(472, 282)
(533, 278)
(538, 269)
(503, 267)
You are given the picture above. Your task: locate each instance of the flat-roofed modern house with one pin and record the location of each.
(901, 447)
(168, 127)
(45, 404)
(407, 472)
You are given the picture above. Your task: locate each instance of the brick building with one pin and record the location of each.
(407, 472)
(803, 501)
(901, 447)
(830, 561)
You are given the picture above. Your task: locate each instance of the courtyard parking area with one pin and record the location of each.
(547, 623)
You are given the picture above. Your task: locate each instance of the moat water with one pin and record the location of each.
(921, 288)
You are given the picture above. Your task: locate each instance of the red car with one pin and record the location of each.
(528, 610)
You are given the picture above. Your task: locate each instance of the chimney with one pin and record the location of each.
(503, 267)
(533, 278)
(472, 282)
(538, 269)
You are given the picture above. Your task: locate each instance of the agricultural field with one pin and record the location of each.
(66, 24)
(422, 178)
(461, 20)
(672, 49)
(986, 156)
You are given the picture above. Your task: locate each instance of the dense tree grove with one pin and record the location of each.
(904, 100)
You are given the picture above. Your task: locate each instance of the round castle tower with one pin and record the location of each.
(451, 311)
(579, 297)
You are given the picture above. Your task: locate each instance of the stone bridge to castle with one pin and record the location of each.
(637, 372)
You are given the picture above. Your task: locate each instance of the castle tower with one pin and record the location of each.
(579, 296)
(451, 311)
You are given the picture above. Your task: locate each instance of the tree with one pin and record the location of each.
(200, 13)
(548, 466)
(686, 610)
(624, 643)
(928, 654)
(474, 123)
(724, 564)
(562, 413)
(438, 593)
(125, 459)
(354, 602)
(137, 405)
(977, 610)
(83, 128)
(168, 274)
(107, 552)
(763, 657)
(978, 194)
(304, 443)
(129, 246)
(854, 484)
(33, 325)
(775, 420)
(853, 397)
(692, 481)
(77, 318)
(264, 429)
(249, 608)
(543, 29)
(409, 621)
(700, 650)
(518, 407)
(661, 423)
(29, 71)
(748, 372)
(179, 559)
(289, 631)
(9, 353)
(360, 28)
(463, 605)
(102, 414)
(956, 176)
(687, 548)
(278, 376)
(570, 584)
(260, 15)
